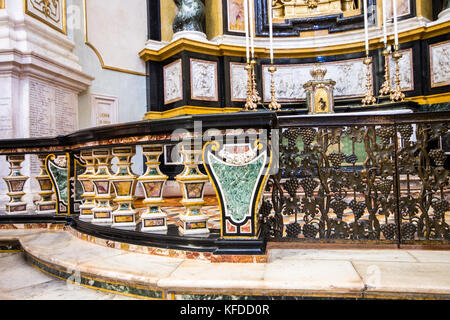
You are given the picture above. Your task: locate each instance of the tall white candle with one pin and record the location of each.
(366, 26)
(394, 5)
(252, 34)
(270, 31)
(247, 43)
(385, 23)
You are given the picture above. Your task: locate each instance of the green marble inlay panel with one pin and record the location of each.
(60, 176)
(237, 184)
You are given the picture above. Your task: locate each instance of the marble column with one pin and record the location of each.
(88, 186)
(124, 184)
(192, 183)
(102, 213)
(46, 205)
(153, 182)
(16, 182)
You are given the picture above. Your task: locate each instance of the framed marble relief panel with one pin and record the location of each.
(51, 13)
(173, 82)
(350, 77)
(440, 64)
(238, 81)
(406, 70)
(235, 15)
(204, 84)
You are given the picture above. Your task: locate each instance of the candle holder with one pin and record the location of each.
(369, 98)
(273, 105)
(255, 94)
(249, 104)
(386, 88)
(153, 181)
(397, 95)
(46, 205)
(124, 184)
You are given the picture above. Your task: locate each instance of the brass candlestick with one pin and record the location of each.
(397, 95)
(273, 105)
(249, 104)
(386, 88)
(369, 98)
(255, 94)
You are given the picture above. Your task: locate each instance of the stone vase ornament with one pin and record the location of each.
(46, 205)
(188, 22)
(88, 186)
(102, 213)
(15, 182)
(239, 174)
(192, 184)
(124, 184)
(153, 181)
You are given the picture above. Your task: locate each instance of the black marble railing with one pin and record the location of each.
(350, 177)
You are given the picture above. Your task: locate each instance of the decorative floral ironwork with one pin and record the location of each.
(366, 182)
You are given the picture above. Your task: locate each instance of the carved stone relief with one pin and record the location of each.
(440, 64)
(173, 82)
(204, 80)
(238, 79)
(289, 80)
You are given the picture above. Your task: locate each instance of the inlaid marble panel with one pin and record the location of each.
(350, 76)
(403, 8)
(406, 70)
(173, 82)
(50, 12)
(440, 64)
(238, 79)
(204, 80)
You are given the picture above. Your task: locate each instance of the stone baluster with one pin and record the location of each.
(88, 186)
(16, 183)
(102, 213)
(192, 183)
(153, 182)
(46, 205)
(124, 183)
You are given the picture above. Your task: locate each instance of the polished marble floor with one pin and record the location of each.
(20, 281)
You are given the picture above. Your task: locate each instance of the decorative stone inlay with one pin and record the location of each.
(238, 182)
(102, 186)
(16, 182)
(46, 205)
(153, 181)
(50, 12)
(192, 182)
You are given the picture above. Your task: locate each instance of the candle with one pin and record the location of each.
(366, 26)
(394, 5)
(384, 23)
(247, 45)
(252, 35)
(270, 31)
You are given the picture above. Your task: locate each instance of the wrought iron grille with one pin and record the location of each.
(384, 178)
